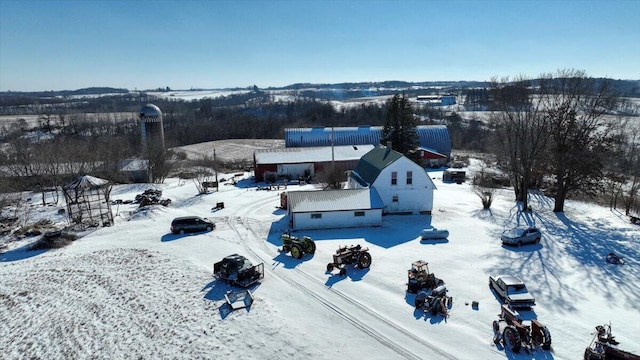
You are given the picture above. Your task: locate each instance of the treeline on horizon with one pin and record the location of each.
(336, 91)
(251, 115)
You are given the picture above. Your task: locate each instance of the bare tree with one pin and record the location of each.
(521, 133)
(485, 194)
(581, 140)
(623, 176)
(484, 187)
(331, 177)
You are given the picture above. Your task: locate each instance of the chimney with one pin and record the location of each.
(389, 145)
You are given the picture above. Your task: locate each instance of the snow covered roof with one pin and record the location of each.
(311, 154)
(86, 182)
(333, 200)
(433, 151)
(150, 110)
(134, 165)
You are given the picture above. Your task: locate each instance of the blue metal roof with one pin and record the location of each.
(431, 136)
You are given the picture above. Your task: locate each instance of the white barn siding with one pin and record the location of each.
(414, 198)
(336, 219)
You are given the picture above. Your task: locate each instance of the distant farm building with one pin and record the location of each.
(434, 137)
(432, 158)
(300, 162)
(437, 100)
(135, 170)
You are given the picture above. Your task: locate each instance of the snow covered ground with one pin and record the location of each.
(134, 290)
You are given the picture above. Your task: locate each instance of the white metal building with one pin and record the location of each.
(325, 209)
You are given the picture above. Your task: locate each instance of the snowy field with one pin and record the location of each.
(134, 290)
(228, 150)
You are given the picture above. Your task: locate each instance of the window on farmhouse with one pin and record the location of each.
(409, 177)
(316, 216)
(394, 178)
(395, 198)
(358, 213)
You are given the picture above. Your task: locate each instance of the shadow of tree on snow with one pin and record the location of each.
(550, 273)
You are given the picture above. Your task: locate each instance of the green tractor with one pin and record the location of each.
(297, 246)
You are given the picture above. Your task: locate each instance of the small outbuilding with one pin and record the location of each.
(88, 203)
(456, 176)
(324, 209)
(432, 158)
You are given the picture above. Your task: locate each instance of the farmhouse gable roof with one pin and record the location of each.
(372, 163)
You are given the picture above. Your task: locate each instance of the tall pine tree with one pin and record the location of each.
(400, 128)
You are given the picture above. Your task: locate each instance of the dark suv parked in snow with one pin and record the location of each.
(186, 224)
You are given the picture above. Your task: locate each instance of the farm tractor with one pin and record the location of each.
(354, 254)
(237, 270)
(431, 291)
(604, 347)
(297, 246)
(420, 278)
(514, 334)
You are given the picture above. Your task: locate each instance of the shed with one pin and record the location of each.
(324, 209)
(457, 176)
(431, 157)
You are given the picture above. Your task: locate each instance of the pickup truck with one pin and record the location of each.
(512, 291)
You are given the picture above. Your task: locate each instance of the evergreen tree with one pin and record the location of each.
(400, 128)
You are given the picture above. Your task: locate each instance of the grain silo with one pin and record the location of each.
(152, 128)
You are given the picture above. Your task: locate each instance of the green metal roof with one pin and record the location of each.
(373, 162)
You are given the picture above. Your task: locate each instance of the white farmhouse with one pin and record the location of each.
(403, 186)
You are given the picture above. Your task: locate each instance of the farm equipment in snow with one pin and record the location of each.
(604, 347)
(420, 278)
(434, 300)
(297, 246)
(514, 334)
(237, 270)
(354, 254)
(431, 291)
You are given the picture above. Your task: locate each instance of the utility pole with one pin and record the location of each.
(215, 168)
(333, 157)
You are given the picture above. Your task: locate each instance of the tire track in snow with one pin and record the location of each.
(241, 217)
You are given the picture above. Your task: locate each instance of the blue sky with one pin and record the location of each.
(63, 45)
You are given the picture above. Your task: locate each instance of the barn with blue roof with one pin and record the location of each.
(435, 142)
